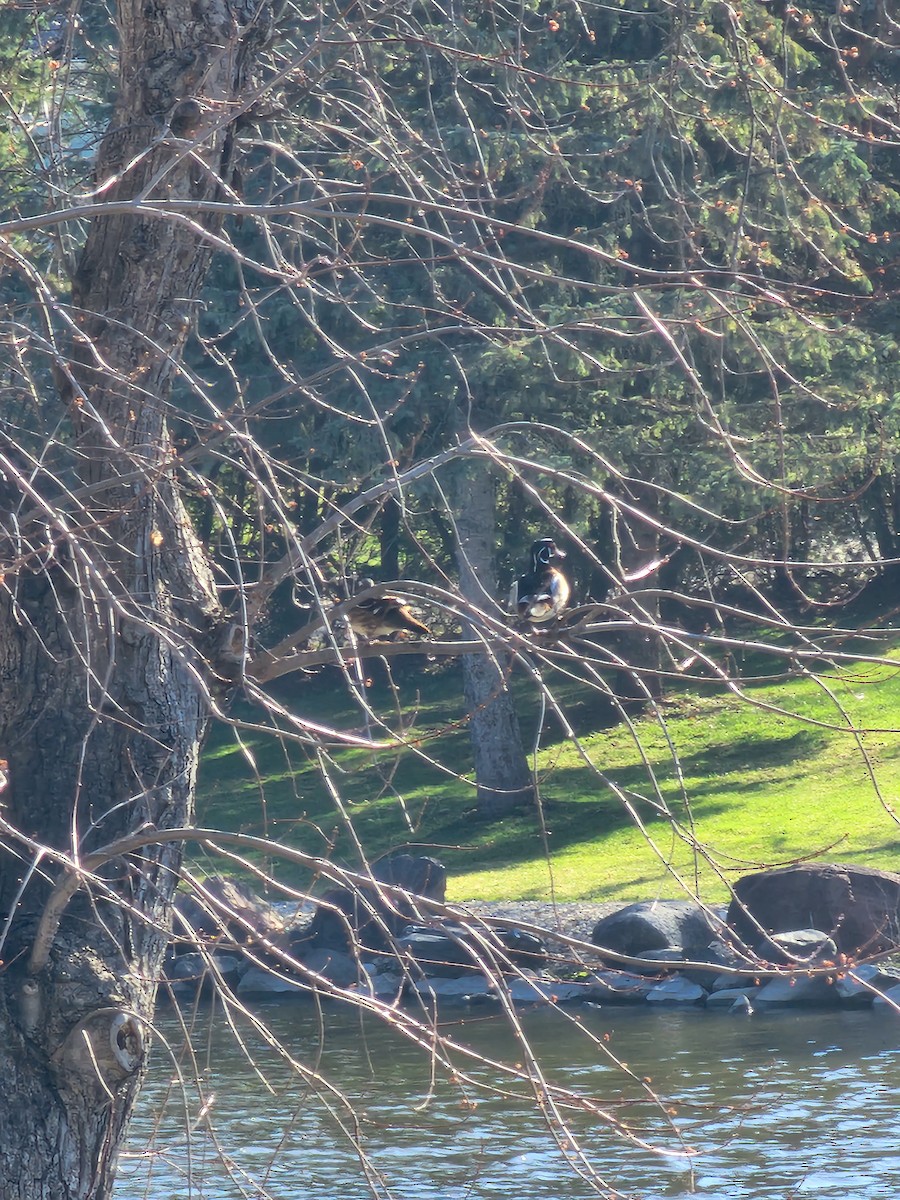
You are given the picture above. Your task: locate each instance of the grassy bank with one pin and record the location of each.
(710, 786)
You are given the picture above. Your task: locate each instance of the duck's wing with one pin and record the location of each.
(405, 619)
(391, 614)
(559, 590)
(546, 600)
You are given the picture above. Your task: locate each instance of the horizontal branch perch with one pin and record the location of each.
(266, 667)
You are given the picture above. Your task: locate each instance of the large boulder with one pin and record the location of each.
(857, 907)
(417, 874)
(677, 925)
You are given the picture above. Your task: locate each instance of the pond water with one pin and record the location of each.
(779, 1104)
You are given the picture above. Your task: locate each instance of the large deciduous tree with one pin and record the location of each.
(111, 632)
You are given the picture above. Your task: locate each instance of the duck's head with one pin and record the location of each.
(544, 552)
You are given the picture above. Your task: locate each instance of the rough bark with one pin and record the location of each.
(109, 643)
(503, 779)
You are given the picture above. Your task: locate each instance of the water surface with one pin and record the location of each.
(778, 1104)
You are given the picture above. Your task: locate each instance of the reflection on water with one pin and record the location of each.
(776, 1105)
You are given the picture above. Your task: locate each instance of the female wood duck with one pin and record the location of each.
(383, 617)
(540, 595)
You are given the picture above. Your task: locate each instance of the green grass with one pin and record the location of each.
(744, 783)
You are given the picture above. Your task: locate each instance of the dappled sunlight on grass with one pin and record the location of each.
(759, 780)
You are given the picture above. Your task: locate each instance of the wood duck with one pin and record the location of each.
(383, 617)
(540, 595)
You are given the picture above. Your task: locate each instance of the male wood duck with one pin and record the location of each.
(540, 595)
(382, 617)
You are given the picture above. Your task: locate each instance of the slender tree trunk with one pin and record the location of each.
(108, 626)
(389, 535)
(637, 549)
(502, 775)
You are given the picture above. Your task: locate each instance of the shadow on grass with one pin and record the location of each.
(399, 801)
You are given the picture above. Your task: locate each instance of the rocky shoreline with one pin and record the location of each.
(395, 939)
(575, 919)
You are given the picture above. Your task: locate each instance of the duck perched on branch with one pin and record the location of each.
(542, 593)
(383, 617)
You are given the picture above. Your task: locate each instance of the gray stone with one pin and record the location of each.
(712, 977)
(204, 968)
(730, 980)
(546, 991)
(798, 948)
(676, 990)
(889, 999)
(450, 949)
(618, 987)
(656, 925)
(436, 952)
(335, 966)
(741, 1006)
(382, 986)
(458, 989)
(257, 981)
(790, 990)
(859, 986)
(727, 997)
(656, 962)
(717, 955)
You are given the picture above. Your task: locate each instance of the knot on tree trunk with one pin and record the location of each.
(101, 1052)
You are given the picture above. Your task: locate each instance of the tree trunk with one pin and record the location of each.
(108, 625)
(389, 536)
(502, 775)
(637, 549)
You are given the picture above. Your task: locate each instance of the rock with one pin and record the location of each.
(656, 925)
(545, 991)
(618, 987)
(459, 988)
(257, 981)
(227, 910)
(333, 966)
(437, 952)
(369, 915)
(789, 990)
(798, 948)
(656, 962)
(384, 986)
(338, 968)
(711, 977)
(419, 875)
(859, 987)
(729, 998)
(889, 999)
(199, 968)
(742, 1006)
(858, 907)
(448, 949)
(676, 990)
(524, 949)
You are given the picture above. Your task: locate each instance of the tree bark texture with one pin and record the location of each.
(111, 633)
(503, 778)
